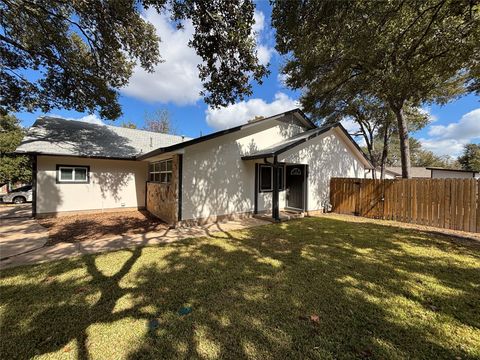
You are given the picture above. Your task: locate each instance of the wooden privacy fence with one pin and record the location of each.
(446, 203)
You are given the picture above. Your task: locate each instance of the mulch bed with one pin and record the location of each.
(77, 228)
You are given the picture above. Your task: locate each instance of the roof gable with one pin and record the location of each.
(299, 139)
(291, 116)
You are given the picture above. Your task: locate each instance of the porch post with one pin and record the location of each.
(255, 205)
(34, 185)
(275, 210)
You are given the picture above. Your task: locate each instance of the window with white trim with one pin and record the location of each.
(160, 171)
(73, 174)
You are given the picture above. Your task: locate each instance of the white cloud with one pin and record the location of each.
(175, 79)
(91, 119)
(427, 110)
(450, 139)
(282, 79)
(264, 52)
(467, 128)
(243, 111)
(449, 147)
(259, 18)
(353, 128)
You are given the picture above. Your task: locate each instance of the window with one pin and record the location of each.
(266, 178)
(73, 174)
(281, 178)
(161, 171)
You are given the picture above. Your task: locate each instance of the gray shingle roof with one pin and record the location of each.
(57, 136)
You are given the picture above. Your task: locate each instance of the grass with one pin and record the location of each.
(311, 288)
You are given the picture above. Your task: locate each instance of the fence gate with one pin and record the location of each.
(446, 203)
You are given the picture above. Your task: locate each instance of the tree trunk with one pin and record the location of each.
(368, 136)
(386, 139)
(404, 141)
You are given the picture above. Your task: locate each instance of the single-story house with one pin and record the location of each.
(266, 165)
(434, 173)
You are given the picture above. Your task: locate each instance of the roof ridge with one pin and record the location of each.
(107, 125)
(145, 131)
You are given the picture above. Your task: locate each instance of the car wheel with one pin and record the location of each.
(19, 200)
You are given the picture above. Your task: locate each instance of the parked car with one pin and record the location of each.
(19, 196)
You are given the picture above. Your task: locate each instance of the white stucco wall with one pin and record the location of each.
(442, 174)
(328, 155)
(113, 184)
(216, 181)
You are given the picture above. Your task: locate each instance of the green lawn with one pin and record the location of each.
(312, 288)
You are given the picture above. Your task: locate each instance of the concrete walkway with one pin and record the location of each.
(10, 211)
(23, 241)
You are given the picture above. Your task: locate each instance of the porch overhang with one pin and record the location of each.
(285, 145)
(288, 144)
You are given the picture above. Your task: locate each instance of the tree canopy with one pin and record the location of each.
(420, 156)
(401, 52)
(13, 168)
(470, 159)
(77, 54)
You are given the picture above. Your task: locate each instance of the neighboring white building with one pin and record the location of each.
(440, 173)
(280, 162)
(434, 173)
(378, 173)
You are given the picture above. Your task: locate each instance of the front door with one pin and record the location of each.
(295, 178)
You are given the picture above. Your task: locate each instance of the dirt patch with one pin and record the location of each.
(77, 228)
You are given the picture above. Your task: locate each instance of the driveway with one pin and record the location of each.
(10, 211)
(19, 233)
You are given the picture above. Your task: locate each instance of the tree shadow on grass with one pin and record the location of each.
(312, 288)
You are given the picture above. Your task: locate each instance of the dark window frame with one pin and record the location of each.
(281, 178)
(73, 181)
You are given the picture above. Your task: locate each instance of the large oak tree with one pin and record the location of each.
(13, 168)
(405, 52)
(76, 54)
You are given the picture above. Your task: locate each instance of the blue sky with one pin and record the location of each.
(175, 86)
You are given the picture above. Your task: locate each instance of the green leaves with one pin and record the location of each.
(78, 54)
(470, 159)
(13, 168)
(413, 51)
(402, 53)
